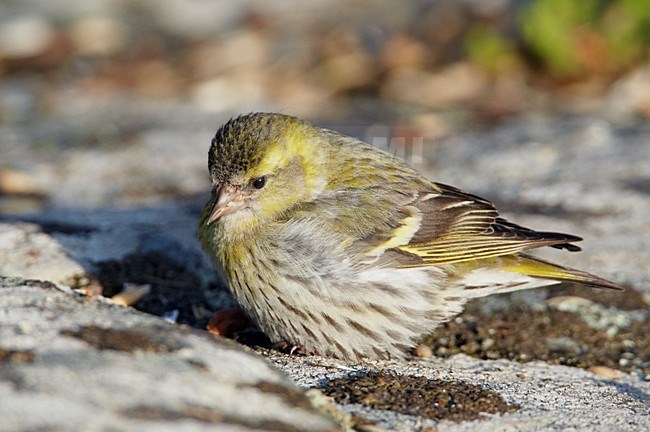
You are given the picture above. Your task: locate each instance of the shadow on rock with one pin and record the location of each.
(107, 251)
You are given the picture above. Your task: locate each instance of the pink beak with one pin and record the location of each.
(229, 200)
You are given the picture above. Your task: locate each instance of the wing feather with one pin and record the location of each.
(456, 226)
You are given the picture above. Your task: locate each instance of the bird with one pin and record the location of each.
(344, 250)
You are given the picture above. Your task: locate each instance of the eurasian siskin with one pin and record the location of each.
(341, 249)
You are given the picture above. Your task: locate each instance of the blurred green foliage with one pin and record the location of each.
(569, 39)
(573, 38)
(486, 47)
(550, 28)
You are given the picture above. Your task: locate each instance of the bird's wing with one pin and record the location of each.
(447, 225)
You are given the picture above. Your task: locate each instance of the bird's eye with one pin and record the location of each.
(259, 182)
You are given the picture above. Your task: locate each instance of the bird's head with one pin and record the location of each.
(262, 165)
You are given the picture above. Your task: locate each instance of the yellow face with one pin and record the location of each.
(284, 176)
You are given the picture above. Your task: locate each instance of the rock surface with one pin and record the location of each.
(68, 362)
(551, 397)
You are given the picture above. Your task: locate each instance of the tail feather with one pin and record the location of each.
(538, 268)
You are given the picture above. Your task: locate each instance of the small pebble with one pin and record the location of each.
(564, 344)
(487, 344)
(568, 303)
(132, 294)
(423, 351)
(26, 37)
(97, 36)
(605, 372)
(18, 182)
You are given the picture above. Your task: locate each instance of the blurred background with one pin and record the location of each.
(107, 102)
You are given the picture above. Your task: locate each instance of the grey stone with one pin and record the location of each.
(552, 398)
(564, 345)
(72, 363)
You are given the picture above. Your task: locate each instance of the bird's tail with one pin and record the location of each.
(537, 268)
(508, 273)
